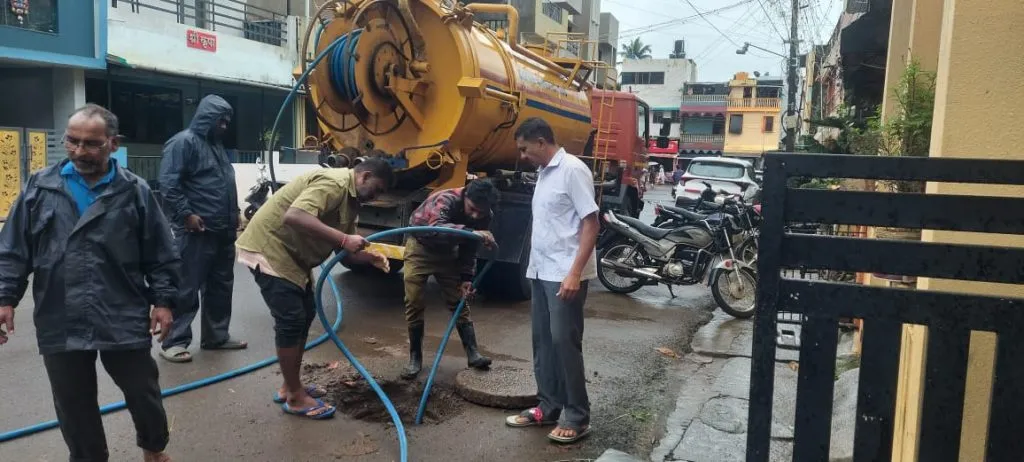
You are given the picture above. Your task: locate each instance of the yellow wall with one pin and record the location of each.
(978, 59)
(753, 140)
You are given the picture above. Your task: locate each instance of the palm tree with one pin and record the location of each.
(636, 49)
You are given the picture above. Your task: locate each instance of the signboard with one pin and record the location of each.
(201, 40)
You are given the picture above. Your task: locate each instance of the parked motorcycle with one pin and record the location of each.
(687, 255)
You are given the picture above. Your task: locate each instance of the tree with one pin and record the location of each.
(636, 49)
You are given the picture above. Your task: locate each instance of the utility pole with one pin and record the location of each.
(792, 80)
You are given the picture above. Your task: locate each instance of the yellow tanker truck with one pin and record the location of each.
(442, 94)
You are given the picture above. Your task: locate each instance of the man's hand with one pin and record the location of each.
(570, 287)
(379, 261)
(467, 291)
(488, 238)
(353, 243)
(160, 317)
(194, 224)
(6, 320)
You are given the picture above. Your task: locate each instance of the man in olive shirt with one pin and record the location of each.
(296, 230)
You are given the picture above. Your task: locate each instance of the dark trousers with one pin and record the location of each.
(207, 268)
(420, 264)
(73, 382)
(292, 307)
(558, 354)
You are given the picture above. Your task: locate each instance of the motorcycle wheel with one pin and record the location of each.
(726, 285)
(250, 211)
(609, 277)
(747, 252)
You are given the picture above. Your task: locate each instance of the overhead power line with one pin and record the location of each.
(688, 2)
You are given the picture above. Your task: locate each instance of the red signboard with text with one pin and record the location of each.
(201, 40)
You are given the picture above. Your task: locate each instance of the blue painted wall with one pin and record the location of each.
(81, 38)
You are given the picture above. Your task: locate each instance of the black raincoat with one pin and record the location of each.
(94, 276)
(196, 176)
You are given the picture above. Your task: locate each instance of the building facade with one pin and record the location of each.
(46, 46)
(738, 118)
(659, 82)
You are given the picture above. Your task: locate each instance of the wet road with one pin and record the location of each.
(236, 420)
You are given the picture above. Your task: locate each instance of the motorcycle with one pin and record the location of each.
(688, 255)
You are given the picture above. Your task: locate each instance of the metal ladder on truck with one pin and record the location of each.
(565, 48)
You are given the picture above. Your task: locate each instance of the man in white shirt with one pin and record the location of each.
(562, 261)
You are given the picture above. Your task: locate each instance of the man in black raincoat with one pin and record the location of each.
(198, 184)
(101, 253)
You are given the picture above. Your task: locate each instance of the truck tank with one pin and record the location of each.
(439, 93)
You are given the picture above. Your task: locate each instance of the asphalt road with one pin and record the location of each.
(236, 420)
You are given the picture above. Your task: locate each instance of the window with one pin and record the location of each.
(736, 123)
(35, 15)
(716, 170)
(552, 11)
(643, 78)
(769, 124)
(147, 114)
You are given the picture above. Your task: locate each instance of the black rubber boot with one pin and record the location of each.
(415, 352)
(473, 357)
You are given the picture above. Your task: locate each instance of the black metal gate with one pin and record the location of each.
(950, 317)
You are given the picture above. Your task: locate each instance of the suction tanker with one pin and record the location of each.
(441, 95)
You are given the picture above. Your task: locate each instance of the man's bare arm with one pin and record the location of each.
(312, 226)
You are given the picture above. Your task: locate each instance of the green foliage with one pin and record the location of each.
(636, 49)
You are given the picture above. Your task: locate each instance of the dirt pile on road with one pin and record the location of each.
(353, 396)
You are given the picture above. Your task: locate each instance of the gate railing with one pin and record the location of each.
(950, 317)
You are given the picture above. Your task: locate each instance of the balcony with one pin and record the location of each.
(754, 104)
(701, 142)
(229, 17)
(703, 104)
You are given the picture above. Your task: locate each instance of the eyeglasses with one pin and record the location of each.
(71, 142)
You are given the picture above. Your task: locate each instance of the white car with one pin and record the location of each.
(734, 176)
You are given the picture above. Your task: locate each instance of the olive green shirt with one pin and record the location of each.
(328, 194)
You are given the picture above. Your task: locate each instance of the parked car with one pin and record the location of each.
(734, 176)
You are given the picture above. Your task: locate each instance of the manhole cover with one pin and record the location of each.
(505, 387)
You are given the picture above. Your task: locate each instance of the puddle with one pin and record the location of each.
(352, 395)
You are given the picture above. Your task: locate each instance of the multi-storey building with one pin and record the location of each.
(46, 46)
(738, 118)
(658, 82)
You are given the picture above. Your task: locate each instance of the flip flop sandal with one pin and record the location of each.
(176, 354)
(230, 344)
(308, 412)
(580, 434)
(314, 391)
(534, 418)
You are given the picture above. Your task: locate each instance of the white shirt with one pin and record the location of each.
(563, 197)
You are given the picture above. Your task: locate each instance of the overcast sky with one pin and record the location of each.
(661, 22)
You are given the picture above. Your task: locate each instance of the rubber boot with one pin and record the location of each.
(473, 357)
(415, 352)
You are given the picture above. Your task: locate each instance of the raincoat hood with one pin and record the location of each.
(210, 110)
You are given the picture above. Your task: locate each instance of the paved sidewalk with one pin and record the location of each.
(709, 423)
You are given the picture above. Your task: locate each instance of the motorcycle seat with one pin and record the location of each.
(688, 214)
(644, 228)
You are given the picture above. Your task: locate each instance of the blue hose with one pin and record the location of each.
(113, 407)
(399, 427)
(444, 343)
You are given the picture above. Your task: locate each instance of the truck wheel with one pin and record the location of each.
(507, 281)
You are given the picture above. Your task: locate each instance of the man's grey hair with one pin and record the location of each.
(95, 110)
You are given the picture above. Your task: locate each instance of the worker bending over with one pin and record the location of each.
(296, 230)
(450, 259)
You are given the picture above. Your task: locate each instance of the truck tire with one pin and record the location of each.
(507, 280)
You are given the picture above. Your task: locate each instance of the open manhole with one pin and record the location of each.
(353, 396)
